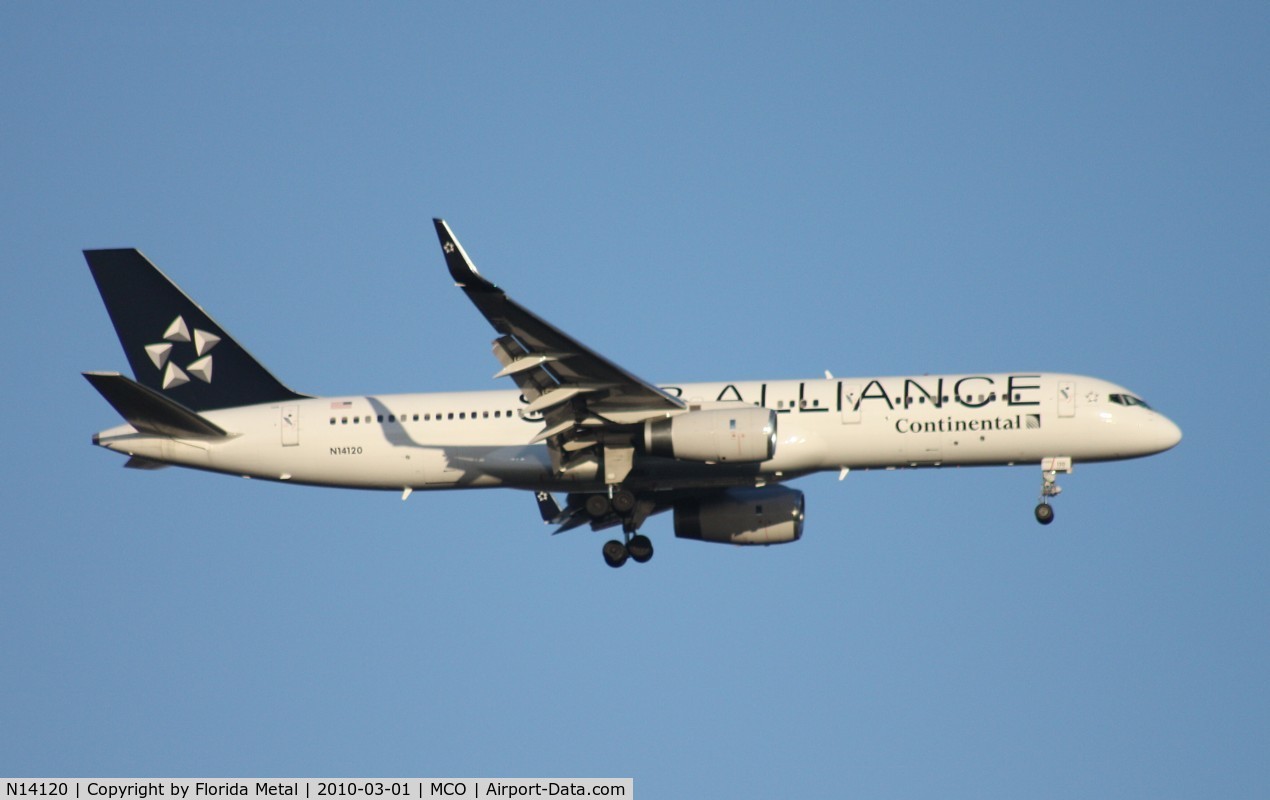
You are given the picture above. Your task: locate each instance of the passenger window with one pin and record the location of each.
(416, 419)
(450, 415)
(344, 421)
(332, 420)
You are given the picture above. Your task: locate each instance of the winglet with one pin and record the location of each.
(548, 507)
(461, 267)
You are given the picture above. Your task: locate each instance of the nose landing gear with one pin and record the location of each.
(1050, 467)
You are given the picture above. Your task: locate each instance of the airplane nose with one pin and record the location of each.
(1167, 432)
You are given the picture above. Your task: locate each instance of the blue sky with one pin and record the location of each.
(704, 192)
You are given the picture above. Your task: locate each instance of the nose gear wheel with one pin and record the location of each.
(1050, 467)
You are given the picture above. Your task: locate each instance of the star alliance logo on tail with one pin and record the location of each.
(161, 354)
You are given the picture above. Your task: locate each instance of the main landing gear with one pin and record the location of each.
(638, 547)
(1050, 467)
(632, 511)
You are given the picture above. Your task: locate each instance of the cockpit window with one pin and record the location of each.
(1127, 400)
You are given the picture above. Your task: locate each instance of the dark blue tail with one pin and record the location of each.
(173, 346)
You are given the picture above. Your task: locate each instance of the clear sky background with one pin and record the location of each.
(702, 191)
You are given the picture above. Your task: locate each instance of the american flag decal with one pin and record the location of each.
(342, 404)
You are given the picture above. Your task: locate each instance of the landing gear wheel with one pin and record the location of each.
(597, 505)
(1050, 467)
(615, 553)
(623, 501)
(641, 548)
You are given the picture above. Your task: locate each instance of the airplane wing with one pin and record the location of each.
(588, 403)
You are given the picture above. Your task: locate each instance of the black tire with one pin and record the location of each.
(640, 548)
(615, 553)
(1044, 513)
(597, 505)
(623, 502)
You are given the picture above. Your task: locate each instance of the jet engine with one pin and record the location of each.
(769, 515)
(718, 434)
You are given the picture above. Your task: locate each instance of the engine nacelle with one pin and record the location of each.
(739, 434)
(770, 515)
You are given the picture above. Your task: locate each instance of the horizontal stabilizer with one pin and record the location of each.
(150, 411)
(137, 462)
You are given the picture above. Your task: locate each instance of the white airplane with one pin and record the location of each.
(717, 454)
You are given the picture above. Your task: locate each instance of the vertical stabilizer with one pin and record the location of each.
(173, 346)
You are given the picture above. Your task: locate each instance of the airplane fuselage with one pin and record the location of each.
(621, 448)
(483, 439)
